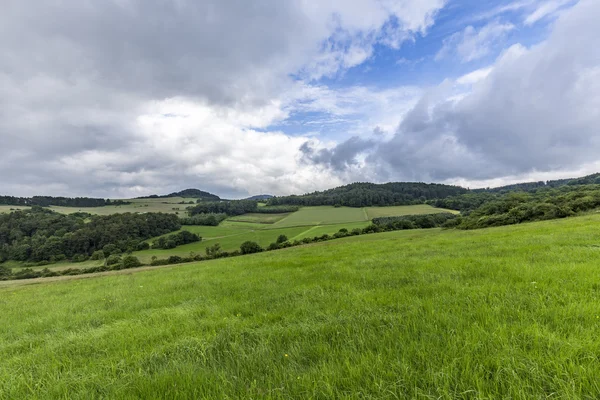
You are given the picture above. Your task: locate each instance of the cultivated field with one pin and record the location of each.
(323, 215)
(235, 236)
(396, 211)
(166, 205)
(259, 218)
(508, 312)
(7, 209)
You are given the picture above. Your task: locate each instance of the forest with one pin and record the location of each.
(484, 209)
(372, 194)
(42, 235)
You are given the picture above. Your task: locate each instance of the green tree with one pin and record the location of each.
(249, 247)
(282, 239)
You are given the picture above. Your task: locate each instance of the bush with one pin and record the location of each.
(174, 260)
(249, 247)
(97, 255)
(213, 251)
(5, 273)
(273, 246)
(113, 260)
(80, 258)
(142, 246)
(130, 262)
(177, 239)
(282, 239)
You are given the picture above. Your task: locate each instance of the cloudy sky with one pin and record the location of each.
(121, 98)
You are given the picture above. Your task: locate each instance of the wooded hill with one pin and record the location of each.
(372, 194)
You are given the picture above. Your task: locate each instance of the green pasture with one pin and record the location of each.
(7, 209)
(321, 215)
(231, 238)
(259, 218)
(396, 211)
(501, 313)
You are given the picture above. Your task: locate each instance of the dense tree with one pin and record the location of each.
(371, 194)
(46, 201)
(249, 247)
(42, 235)
(177, 239)
(233, 207)
(207, 219)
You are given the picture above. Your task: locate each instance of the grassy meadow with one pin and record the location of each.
(510, 312)
(230, 238)
(165, 205)
(321, 215)
(8, 209)
(397, 211)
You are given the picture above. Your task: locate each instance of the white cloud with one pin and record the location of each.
(546, 9)
(472, 44)
(475, 76)
(118, 97)
(535, 113)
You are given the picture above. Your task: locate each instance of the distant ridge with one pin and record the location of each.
(260, 197)
(190, 193)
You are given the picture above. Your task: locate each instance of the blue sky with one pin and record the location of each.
(128, 98)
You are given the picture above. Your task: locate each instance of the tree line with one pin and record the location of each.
(372, 194)
(47, 201)
(484, 209)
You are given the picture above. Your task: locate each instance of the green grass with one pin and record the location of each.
(166, 205)
(510, 312)
(231, 241)
(7, 209)
(375, 212)
(259, 218)
(322, 215)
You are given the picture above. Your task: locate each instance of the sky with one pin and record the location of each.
(124, 98)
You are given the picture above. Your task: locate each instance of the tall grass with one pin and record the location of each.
(511, 312)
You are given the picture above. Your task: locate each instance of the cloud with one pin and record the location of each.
(538, 110)
(132, 97)
(546, 9)
(339, 158)
(472, 44)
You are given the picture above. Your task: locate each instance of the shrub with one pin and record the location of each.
(213, 251)
(5, 272)
(142, 246)
(113, 260)
(174, 260)
(249, 247)
(282, 239)
(130, 262)
(97, 255)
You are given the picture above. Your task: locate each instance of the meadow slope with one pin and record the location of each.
(510, 312)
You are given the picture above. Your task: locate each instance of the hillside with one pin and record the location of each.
(186, 193)
(260, 197)
(373, 194)
(508, 312)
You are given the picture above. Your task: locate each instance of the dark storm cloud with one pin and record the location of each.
(341, 156)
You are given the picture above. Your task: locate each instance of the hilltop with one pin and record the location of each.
(186, 193)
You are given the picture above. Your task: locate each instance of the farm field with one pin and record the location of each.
(230, 238)
(321, 215)
(396, 211)
(7, 209)
(508, 312)
(259, 218)
(166, 205)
